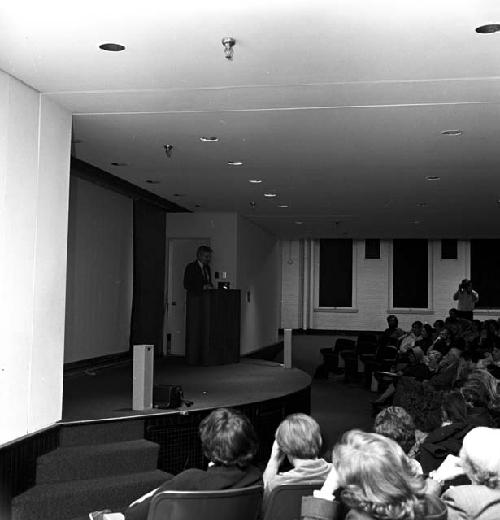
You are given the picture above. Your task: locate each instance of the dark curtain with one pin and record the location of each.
(410, 276)
(149, 275)
(335, 273)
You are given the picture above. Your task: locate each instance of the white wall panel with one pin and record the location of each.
(100, 272)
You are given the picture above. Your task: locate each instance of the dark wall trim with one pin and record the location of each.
(76, 367)
(102, 178)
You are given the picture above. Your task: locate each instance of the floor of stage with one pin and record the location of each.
(107, 393)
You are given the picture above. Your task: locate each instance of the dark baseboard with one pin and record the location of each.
(330, 332)
(77, 367)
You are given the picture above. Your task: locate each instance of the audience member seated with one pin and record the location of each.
(447, 371)
(416, 369)
(427, 338)
(229, 443)
(480, 461)
(492, 360)
(298, 439)
(373, 477)
(478, 399)
(408, 340)
(447, 439)
(392, 334)
(396, 423)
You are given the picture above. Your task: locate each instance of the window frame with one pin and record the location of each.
(354, 281)
(430, 281)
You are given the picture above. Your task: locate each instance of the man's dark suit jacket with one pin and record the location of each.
(193, 277)
(215, 478)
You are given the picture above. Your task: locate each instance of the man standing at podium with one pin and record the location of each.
(197, 275)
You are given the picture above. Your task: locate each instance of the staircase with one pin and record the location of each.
(97, 466)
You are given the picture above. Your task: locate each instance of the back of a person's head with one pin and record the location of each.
(397, 424)
(480, 455)
(299, 436)
(475, 393)
(487, 381)
(376, 477)
(454, 407)
(228, 438)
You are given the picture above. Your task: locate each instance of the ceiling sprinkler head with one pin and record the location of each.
(228, 42)
(168, 149)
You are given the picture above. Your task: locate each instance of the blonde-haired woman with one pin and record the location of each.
(375, 479)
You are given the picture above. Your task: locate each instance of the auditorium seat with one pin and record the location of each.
(284, 502)
(228, 504)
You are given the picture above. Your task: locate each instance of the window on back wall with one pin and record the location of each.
(335, 273)
(485, 272)
(410, 274)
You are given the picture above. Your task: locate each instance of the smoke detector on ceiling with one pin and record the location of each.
(228, 42)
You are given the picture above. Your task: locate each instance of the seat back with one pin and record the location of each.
(228, 504)
(285, 502)
(365, 337)
(344, 344)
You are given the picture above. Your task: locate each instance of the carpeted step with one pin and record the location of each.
(73, 499)
(102, 460)
(101, 433)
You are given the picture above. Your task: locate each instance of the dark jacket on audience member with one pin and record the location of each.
(441, 442)
(320, 509)
(215, 478)
(477, 502)
(480, 416)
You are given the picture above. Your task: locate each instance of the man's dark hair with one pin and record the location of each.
(203, 249)
(228, 438)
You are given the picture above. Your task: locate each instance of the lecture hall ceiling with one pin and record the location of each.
(336, 105)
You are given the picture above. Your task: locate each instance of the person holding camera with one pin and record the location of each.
(467, 299)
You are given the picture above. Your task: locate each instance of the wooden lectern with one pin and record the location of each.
(213, 327)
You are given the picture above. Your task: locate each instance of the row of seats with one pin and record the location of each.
(231, 504)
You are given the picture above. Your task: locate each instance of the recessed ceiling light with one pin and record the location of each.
(212, 139)
(270, 195)
(235, 163)
(255, 181)
(433, 178)
(452, 132)
(282, 205)
(119, 164)
(151, 181)
(488, 28)
(179, 194)
(113, 47)
(421, 204)
(298, 222)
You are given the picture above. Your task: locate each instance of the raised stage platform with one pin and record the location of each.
(106, 394)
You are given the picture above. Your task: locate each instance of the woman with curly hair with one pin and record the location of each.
(229, 443)
(479, 460)
(373, 477)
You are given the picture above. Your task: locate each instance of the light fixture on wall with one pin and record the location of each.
(228, 42)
